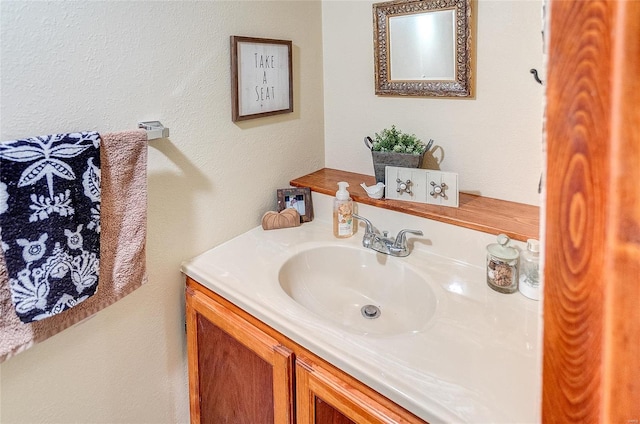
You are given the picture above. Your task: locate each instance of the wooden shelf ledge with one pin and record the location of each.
(517, 220)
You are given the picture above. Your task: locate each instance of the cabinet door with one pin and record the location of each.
(324, 398)
(237, 373)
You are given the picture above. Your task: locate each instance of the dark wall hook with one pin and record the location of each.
(535, 75)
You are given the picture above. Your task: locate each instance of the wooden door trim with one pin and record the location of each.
(621, 354)
(591, 358)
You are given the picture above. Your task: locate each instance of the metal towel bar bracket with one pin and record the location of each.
(154, 129)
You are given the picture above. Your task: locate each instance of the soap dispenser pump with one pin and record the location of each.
(342, 212)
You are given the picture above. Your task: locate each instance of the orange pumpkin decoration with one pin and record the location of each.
(285, 219)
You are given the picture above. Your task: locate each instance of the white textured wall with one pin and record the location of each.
(493, 141)
(106, 65)
(70, 66)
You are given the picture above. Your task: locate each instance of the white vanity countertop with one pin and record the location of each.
(476, 361)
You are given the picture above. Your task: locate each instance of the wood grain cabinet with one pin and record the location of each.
(237, 373)
(242, 371)
(324, 398)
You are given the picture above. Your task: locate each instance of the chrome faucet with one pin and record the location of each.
(382, 243)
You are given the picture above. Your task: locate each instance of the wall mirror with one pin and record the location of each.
(423, 48)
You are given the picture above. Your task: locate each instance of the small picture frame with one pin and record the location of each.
(298, 198)
(261, 77)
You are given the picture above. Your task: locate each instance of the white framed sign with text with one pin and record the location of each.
(261, 77)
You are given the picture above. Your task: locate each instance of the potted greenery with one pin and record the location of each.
(392, 147)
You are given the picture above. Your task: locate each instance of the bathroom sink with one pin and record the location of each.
(360, 290)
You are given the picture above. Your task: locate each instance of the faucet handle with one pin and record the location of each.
(401, 238)
(370, 229)
(369, 233)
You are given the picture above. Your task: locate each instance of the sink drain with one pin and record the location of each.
(370, 311)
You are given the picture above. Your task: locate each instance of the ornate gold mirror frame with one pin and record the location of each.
(457, 82)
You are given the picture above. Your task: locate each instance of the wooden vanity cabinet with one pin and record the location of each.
(242, 371)
(237, 373)
(324, 398)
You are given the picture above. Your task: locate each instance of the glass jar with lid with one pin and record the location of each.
(502, 266)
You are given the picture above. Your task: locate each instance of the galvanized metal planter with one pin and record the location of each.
(383, 159)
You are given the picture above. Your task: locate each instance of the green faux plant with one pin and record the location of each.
(394, 140)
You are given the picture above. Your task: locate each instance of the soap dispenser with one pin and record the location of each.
(342, 212)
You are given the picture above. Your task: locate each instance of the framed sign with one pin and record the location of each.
(261, 77)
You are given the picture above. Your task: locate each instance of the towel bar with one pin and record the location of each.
(154, 129)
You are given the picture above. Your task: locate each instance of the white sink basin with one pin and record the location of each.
(443, 335)
(336, 282)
